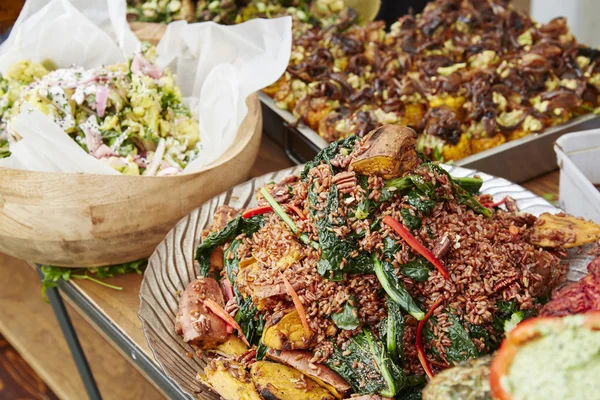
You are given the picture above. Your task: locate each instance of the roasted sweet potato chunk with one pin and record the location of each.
(276, 381)
(390, 152)
(287, 333)
(230, 380)
(233, 347)
(554, 230)
(194, 321)
(321, 374)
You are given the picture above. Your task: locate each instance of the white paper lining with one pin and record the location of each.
(216, 66)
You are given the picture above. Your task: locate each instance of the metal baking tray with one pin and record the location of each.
(518, 161)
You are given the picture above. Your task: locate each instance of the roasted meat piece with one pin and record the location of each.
(194, 321)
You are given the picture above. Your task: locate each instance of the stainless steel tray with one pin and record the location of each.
(518, 161)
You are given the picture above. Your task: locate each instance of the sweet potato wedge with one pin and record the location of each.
(287, 333)
(321, 374)
(230, 380)
(194, 321)
(390, 152)
(554, 230)
(233, 347)
(276, 381)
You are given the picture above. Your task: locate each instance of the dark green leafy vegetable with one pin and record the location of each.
(417, 270)
(235, 227)
(415, 385)
(365, 377)
(390, 248)
(394, 377)
(507, 310)
(247, 316)
(261, 351)
(462, 347)
(392, 331)
(421, 201)
(366, 205)
(471, 185)
(347, 319)
(465, 198)
(328, 153)
(394, 288)
(51, 275)
(514, 320)
(335, 249)
(462, 195)
(411, 221)
(368, 368)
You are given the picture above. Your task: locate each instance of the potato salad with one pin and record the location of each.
(129, 115)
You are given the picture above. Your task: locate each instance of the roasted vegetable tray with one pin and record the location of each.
(518, 161)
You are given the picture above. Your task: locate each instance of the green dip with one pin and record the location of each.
(561, 364)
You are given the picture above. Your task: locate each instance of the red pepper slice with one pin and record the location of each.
(256, 211)
(518, 337)
(415, 245)
(419, 338)
(496, 204)
(297, 210)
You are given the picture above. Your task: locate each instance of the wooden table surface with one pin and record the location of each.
(122, 306)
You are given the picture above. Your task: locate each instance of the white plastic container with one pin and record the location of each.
(578, 156)
(582, 17)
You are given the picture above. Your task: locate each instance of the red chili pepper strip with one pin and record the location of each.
(415, 245)
(297, 211)
(256, 211)
(419, 339)
(496, 204)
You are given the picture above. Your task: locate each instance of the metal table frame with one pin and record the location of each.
(112, 331)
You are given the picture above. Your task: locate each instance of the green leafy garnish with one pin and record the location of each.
(51, 275)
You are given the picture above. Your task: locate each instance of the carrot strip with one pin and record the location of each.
(415, 245)
(298, 304)
(229, 320)
(256, 211)
(419, 338)
(297, 210)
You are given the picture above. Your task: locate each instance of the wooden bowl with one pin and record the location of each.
(87, 220)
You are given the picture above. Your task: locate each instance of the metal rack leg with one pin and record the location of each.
(73, 342)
